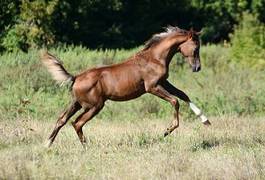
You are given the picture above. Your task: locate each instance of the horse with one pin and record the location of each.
(144, 72)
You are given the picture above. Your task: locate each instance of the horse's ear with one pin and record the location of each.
(199, 33)
(190, 33)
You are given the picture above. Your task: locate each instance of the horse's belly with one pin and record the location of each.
(122, 83)
(128, 95)
(124, 90)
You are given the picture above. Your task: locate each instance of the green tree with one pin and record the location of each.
(115, 23)
(219, 17)
(8, 15)
(33, 26)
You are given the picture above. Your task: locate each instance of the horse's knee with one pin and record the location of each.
(175, 103)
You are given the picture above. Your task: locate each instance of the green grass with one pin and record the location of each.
(126, 138)
(219, 89)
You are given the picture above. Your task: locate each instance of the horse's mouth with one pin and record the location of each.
(196, 68)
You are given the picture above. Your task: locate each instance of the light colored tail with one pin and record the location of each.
(55, 67)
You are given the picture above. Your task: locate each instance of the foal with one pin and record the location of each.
(144, 72)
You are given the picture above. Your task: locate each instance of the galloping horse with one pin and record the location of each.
(144, 72)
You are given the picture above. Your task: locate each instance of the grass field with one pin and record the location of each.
(232, 148)
(126, 139)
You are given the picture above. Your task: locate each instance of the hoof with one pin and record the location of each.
(48, 144)
(85, 146)
(207, 123)
(166, 133)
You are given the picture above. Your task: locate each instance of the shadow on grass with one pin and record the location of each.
(205, 145)
(234, 141)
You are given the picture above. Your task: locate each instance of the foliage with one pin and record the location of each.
(33, 28)
(115, 23)
(223, 15)
(248, 43)
(8, 14)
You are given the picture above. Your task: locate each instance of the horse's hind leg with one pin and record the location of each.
(82, 119)
(64, 117)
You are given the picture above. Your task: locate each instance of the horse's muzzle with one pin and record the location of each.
(196, 68)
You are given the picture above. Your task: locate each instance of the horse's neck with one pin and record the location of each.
(165, 51)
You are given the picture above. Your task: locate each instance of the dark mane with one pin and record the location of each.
(156, 38)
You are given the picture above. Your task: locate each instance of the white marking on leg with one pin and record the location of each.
(48, 143)
(203, 118)
(195, 109)
(198, 112)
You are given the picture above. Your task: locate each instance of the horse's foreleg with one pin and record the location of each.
(164, 94)
(175, 122)
(81, 121)
(175, 91)
(65, 116)
(199, 113)
(181, 95)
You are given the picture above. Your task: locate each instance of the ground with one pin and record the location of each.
(232, 148)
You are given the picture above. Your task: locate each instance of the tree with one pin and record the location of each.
(33, 27)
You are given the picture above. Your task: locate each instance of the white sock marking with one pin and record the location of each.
(198, 112)
(195, 109)
(47, 143)
(203, 118)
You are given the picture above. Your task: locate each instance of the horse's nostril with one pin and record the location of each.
(198, 68)
(194, 69)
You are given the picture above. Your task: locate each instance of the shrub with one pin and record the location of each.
(33, 27)
(248, 43)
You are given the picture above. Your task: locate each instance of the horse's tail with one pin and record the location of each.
(56, 68)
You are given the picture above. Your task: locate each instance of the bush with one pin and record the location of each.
(33, 28)
(248, 43)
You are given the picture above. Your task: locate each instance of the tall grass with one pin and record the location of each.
(128, 143)
(27, 90)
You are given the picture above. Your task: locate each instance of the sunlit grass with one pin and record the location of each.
(231, 148)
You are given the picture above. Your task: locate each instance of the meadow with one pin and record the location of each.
(126, 139)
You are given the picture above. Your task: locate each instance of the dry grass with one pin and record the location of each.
(232, 148)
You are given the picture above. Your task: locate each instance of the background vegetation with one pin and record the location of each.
(28, 24)
(125, 139)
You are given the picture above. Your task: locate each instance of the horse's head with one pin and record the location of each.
(190, 49)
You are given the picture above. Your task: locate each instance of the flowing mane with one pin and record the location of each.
(156, 38)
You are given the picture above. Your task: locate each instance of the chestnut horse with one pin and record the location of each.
(144, 72)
